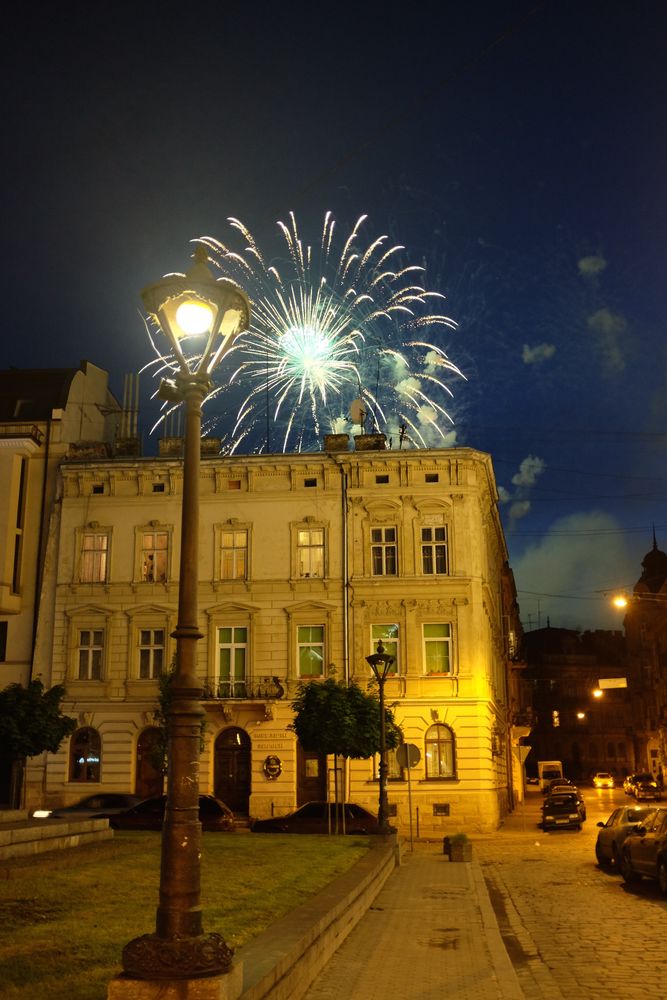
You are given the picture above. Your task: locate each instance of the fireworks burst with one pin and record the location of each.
(330, 326)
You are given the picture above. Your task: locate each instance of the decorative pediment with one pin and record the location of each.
(88, 610)
(149, 609)
(432, 505)
(306, 607)
(231, 608)
(385, 507)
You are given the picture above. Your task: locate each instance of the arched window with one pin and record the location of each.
(440, 756)
(85, 751)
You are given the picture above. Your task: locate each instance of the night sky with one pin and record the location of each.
(518, 150)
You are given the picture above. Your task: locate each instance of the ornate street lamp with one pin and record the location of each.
(200, 318)
(381, 663)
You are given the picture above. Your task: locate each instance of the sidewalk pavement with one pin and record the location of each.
(431, 931)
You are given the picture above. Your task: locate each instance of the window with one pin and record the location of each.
(310, 552)
(18, 535)
(384, 551)
(394, 769)
(158, 487)
(98, 489)
(232, 659)
(434, 550)
(233, 484)
(94, 553)
(439, 752)
(381, 480)
(84, 755)
(3, 641)
(151, 653)
(431, 477)
(154, 550)
(389, 636)
(91, 651)
(310, 482)
(234, 564)
(437, 648)
(310, 650)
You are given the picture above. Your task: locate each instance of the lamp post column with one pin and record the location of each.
(179, 949)
(383, 810)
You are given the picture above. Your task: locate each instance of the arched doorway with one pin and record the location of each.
(311, 769)
(149, 780)
(231, 777)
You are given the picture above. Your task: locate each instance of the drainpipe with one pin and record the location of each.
(40, 543)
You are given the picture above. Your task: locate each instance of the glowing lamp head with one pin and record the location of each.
(597, 693)
(581, 715)
(620, 601)
(194, 317)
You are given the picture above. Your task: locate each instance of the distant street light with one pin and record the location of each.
(381, 663)
(200, 317)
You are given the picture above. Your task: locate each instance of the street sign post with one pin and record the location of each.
(408, 756)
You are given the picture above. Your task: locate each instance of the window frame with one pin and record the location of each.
(303, 645)
(448, 639)
(151, 646)
(237, 687)
(432, 545)
(309, 549)
(96, 531)
(392, 645)
(232, 525)
(382, 547)
(438, 743)
(90, 648)
(153, 552)
(96, 776)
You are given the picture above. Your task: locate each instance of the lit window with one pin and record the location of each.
(439, 752)
(437, 648)
(232, 659)
(310, 650)
(434, 550)
(151, 653)
(154, 549)
(384, 551)
(94, 553)
(389, 636)
(310, 552)
(84, 755)
(91, 650)
(234, 564)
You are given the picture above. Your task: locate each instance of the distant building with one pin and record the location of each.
(646, 635)
(306, 562)
(587, 732)
(42, 413)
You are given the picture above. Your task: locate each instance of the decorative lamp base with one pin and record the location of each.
(153, 957)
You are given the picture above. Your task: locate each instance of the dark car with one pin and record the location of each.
(645, 788)
(612, 834)
(320, 817)
(645, 850)
(104, 805)
(562, 809)
(149, 815)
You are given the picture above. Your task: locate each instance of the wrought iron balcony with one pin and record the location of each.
(261, 689)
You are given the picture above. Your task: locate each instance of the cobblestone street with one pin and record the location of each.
(570, 928)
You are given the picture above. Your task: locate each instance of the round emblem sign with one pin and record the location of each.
(272, 767)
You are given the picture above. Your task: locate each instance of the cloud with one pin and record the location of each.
(529, 471)
(519, 509)
(591, 266)
(563, 576)
(504, 495)
(609, 329)
(538, 354)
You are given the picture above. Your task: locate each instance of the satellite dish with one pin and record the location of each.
(357, 411)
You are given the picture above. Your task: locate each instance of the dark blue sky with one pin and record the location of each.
(518, 149)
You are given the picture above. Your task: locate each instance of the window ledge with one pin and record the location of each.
(444, 780)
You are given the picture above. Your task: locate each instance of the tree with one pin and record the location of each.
(333, 718)
(31, 720)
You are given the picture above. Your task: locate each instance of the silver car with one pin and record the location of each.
(612, 834)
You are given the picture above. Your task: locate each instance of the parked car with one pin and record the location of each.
(603, 779)
(320, 817)
(149, 815)
(562, 809)
(611, 835)
(100, 806)
(646, 787)
(645, 850)
(555, 783)
(627, 784)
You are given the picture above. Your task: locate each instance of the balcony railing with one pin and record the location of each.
(262, 689)
(21, 432)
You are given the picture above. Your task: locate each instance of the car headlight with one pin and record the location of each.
(549, 817)
(574, 815)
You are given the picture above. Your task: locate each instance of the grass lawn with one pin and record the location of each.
(65, 917)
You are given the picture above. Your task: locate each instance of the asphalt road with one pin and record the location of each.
(571, 928)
